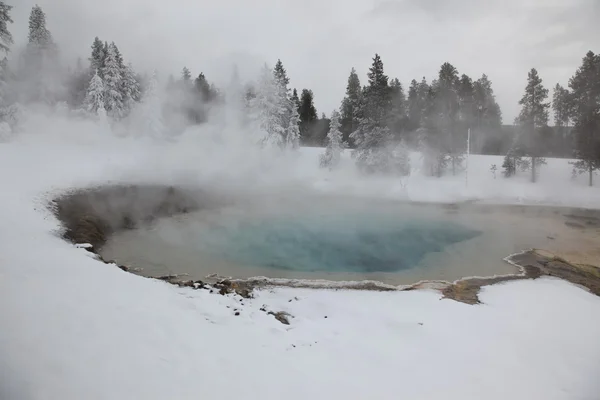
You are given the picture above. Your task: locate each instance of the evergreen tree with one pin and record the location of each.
(373, 137)
(280, 74)
(94, 100)
(308, 116)
(585, 102)
(113, 84)
(295, 100)
(398, 118)
(293, 131)
(267, 110)
(77, 83)
(97, 57)
(335, 145)
(414, 108)
(130, 88)
(561, 105)
(6, 39)
(186, 75)
(40, 69)
(350, 106)
(533, 122)
(488, 121)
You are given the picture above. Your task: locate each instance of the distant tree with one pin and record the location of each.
(6, 39)
(308, 116)
(131, 89)
(562, 108)
(487, 128)
(335, 145)
(94, 99)
(280, 74)
(113, 83)
(97, 57)
(295, 100)
(77, 83)
(293, 131)
(267, 109)
(533, 122)
(373, 137)
(349, 108)
(585, 102)
(186, 75)
(397, 115)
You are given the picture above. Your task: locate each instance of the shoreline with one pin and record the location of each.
(88, 216)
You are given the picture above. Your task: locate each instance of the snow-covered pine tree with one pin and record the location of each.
(40, 67)
(94, 99)
(97, 57)
(292, 136)
(130, 87)
(113, 81)
(350, 105)
(281, 82)
(186, 75)
(335, 145)
(6, 40)
(267, 111)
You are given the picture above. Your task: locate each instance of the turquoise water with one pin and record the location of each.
(338, 243)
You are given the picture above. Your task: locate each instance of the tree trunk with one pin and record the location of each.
(533, 160)
(591, 174)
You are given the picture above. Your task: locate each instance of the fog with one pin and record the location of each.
(320, 41)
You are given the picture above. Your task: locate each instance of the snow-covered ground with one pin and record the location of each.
(74, 328)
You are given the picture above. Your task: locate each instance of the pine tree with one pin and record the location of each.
(280, 74)
(561, 105)
(398, 118)
(113, 84)
(130, 88)
(532, 121)
(295, 100)
(350, 106)
(293, 131)
(488, 119)
(585, 103)
(308, 116)
(40, 68)
(267, 110)
(282, 81)
(335, 145)
(373, 137)
(94, 99)
(6, 39)
(186, 75)
(447, 102)
(97, 57)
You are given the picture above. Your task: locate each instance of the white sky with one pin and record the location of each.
(319, 41)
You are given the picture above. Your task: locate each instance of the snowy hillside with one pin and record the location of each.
(75, 328)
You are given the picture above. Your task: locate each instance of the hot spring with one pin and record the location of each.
(341, 239)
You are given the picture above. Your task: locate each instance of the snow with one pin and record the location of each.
(75, 328)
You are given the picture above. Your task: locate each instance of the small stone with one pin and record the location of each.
(420, 323)
(326, 316)
(237, 313)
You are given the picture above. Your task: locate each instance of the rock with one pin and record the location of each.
(123, 267)
(189, 283)
(281, 316)
(237, 313)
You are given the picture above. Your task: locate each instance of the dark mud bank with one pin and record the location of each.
(91, 215)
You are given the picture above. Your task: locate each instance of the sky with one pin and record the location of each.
(319, 41)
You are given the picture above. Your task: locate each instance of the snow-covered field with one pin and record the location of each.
(74, 328)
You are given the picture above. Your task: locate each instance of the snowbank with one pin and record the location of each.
(74, 328)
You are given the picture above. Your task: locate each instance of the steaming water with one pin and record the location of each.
(338, 239)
